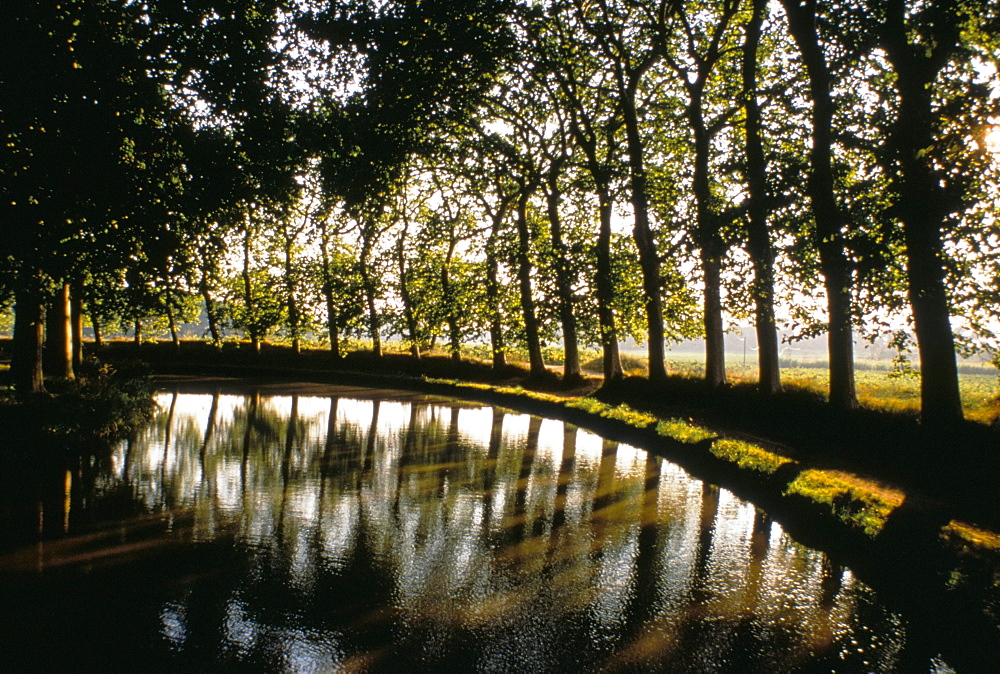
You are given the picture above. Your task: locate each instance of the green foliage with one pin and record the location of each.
(683, 431)
(6, 321)
(258, 313)
(358, 148)
(858, 503)
(747, 455)
(627, 281)
(630, 416)
(103, 403)
(91, 152)
(590, 405)
(620, 412)
(414, 65)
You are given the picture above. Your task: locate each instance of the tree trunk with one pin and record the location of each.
(373, 328)
(368, 283)
(211, 314)
(535, 360)
(493, 291)
(586, 139)
(604, 283)
(250, 329)
(332, 315)
(923, 207)
(409, 316)
(840, 338)
(59, 337)
(172, 323)
(454, 333)
(758, 238)
(98, 338)
(331, 325)
(709, 241)
(26, 354)
(564, 282)
(649, 258)
(137, 335)
(715, 344)
(373, 322)
(294, 318)
(940, 397)
(826, 212)
(76, 313)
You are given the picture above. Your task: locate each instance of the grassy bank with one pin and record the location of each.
(960, 468)
(102, 403)
(904, 507)
(879, 387)
(919, 549)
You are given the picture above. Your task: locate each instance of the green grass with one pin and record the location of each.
(630, 416)
(879, 391)
(747, 455)
(979, 384)
(684, 431)
(856, 501)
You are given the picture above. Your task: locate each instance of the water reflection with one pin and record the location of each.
(334, 533)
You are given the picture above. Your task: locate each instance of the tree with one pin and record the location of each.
(699, 48)
(411, 67)
(404, 276)
(519, 142)
(590, 109)
(629, 51)
(827, 214)
(558, 157)
(485, 174)
(541, 128)
(922, 44)
(90, 159)
(339, 279)
(291, 228)
(371, 227)
(758, 235)
(254, 307)
(452, 223)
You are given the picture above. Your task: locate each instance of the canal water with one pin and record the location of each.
(316, 530)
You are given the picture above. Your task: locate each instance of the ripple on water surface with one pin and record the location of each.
(304, 533)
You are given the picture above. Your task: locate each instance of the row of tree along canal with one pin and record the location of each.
(452, 171)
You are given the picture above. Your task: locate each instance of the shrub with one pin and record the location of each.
(683, 431)
(745, 455)
(862, 504)
(103, 403)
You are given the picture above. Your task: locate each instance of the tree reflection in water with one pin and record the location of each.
(299, 532)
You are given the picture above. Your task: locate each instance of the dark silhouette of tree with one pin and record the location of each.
(90, 160)
(921, 44)
(759, 242)
(590, 112)
(828, 216)
(697, 46)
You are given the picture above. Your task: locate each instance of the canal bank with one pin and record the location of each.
(909, 545)
(911, 512)
(296, 526)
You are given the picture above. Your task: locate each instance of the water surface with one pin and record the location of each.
(347, 532)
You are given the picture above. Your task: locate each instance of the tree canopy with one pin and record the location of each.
(514, 172)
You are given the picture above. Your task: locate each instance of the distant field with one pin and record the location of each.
(980, 384)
